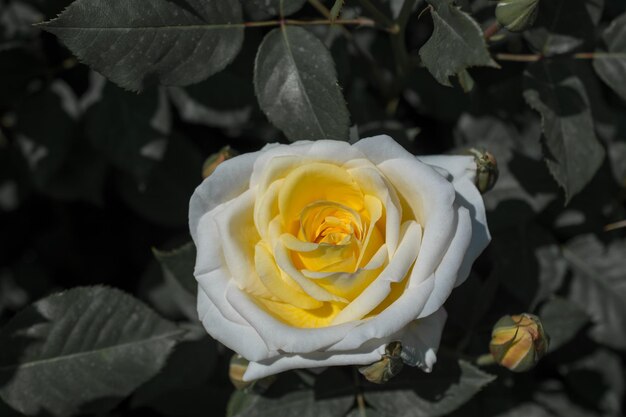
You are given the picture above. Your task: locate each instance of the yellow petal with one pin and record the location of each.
(277, 283)
(298, 317)
(312, 182)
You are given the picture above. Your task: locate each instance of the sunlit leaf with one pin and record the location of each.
(599, 286)
(296, 85)
(562, 320)
(94, 345)
(135, 43)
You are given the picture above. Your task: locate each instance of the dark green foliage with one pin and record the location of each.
(572, 153)
(95, 182)
(456, 43)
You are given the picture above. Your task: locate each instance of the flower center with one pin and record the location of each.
(327, 222)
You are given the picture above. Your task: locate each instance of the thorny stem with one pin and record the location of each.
(379, 16)
(365, 53)
(485, 360)
(492, 30)
(362, 21)
(539, 57)
(398, 44)
(360, 399)
(615, 226)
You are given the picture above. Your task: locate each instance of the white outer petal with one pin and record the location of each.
(431, 198)
(321, 150)
(230, 179)
(462, 172)
(447, 272)
(366, 356)
(421, 337)
(239, 337)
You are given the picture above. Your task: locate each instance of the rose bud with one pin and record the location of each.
(389, 366)
(237, 369)
(518, 342)
(516, 15)
(486, 170)
(217, 158)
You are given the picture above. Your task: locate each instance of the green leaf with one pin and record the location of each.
(264, 9)
(296, 85)
(93, 345)
(597, 382)
(131, 130)
(178, 268)
(456, 44)
(415, 394)
(572, 151)
(599, 286)
(180, 263)
(187, 371)
(332, 396)
(562, 320)
(564, 25)
(611, 66)
(134, 43)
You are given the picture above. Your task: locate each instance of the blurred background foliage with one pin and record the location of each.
(94, 177)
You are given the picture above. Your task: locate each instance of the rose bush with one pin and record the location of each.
(320, 253)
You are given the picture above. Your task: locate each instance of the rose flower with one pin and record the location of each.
(321, 253)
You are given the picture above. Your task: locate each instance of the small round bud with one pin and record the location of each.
(210, 165)
(389, 366)
(518, 342)
(486, 170)
(238, 366)
(516, 15)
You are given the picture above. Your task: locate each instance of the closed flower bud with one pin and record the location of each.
(389, 366)
(516, 15)
(486, 170)
(518, 342)
(210, 165)
(236, 370)
(238, 366)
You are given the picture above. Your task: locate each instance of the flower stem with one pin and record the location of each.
(361, 21)
(539, 57)
(377, 15)
(492, 30)
(485, 360)
(360, 399)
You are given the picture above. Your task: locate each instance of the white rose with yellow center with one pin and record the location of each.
(321, 253)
